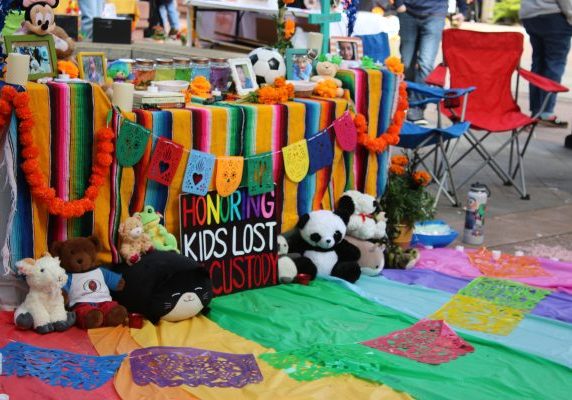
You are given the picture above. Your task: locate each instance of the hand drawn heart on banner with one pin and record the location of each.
(346, 132)
(198, 174)
(165, 161)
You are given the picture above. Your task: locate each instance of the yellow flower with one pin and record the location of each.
(394, 65)
(400, 159)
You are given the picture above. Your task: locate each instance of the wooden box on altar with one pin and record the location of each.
(112, 30)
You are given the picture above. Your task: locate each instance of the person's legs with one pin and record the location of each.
(173, 15)
(164, 16)
(534, 30)
(90, 9)
(408, 32)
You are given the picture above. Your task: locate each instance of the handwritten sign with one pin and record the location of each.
(235, 237)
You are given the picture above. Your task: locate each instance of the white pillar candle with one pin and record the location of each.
(315, 40)
(17, 67)
(460, 248)
(496, 254)
(123, 95)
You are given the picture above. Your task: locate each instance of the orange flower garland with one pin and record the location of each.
(11, 99)
(391, 136)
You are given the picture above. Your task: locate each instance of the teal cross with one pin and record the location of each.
(324, 19)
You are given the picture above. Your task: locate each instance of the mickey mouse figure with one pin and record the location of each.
(39, 19)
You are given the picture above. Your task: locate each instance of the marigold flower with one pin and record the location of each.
(267, 95)
(421, 178)
(396, 169)
(287, 1)
(289, 28)
(326, 88)
(394, 65)
(400, 159)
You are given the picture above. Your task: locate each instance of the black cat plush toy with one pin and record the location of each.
(165, 285)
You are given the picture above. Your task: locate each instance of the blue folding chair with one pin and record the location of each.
(376, 46)
(424, 142)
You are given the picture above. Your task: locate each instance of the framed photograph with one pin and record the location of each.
(299, 64)
(92, 67)
(348, 48)
(243, 75)
(42, 52)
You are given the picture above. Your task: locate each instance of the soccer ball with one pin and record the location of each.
(268, 64)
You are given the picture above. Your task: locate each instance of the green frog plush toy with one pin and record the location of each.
(161, 238)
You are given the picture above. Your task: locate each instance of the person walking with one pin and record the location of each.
(548, 23)
(90, 9)
(421, 27)
(169, 13)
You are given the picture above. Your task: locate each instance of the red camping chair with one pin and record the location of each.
(487, 61)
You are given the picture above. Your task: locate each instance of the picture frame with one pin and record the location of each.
(92, 67)
(243, 75)
(348, 48)
(42, 52)
(299, 63)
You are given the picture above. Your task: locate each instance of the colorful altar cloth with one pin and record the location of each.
(452, 262)
(67, 115)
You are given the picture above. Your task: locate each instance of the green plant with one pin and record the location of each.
(406, 199)
(506, 11)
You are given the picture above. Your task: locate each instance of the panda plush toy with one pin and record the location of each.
(320, 241)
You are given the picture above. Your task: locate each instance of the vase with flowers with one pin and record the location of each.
(406, 200)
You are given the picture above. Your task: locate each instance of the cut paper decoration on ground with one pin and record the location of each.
(165, 161)
(505, 293)
(260, 174)
(297, 367)
(321, 151)
(430, 342)
(507, 266)
(174, 366)
(199, 172)
(296, 160)
(59, 368)
(346, 132)
(131, 143)
(479, 315)
(228, 174)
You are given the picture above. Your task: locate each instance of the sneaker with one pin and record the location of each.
(421, 122)
(552, 122)
(173, 32)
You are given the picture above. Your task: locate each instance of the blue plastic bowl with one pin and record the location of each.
(434, 240)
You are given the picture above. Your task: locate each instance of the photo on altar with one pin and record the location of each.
(348, 48)
(41, 50)
(243, 75)
(299, 64)
(92, 67)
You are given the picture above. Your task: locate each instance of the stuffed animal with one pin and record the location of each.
(43, 309)
(327, 70)
(287, 270)
(165, 285)
(134, 241)
(367, 222)
(88, 284)
(39, 19)
(372, 256)
(398, 258)
(320, 241)
(160, 237)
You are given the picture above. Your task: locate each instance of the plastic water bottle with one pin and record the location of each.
(475, 214)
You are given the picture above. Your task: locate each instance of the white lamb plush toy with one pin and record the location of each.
(43, 309)
(287, 270)
(367, 222)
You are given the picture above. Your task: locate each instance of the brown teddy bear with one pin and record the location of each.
(134, 240)
(88, 285)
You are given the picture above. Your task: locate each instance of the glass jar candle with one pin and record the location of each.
(182, 68)
(200, 67)
(164, 69)
(220, 74)
(143, 73)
